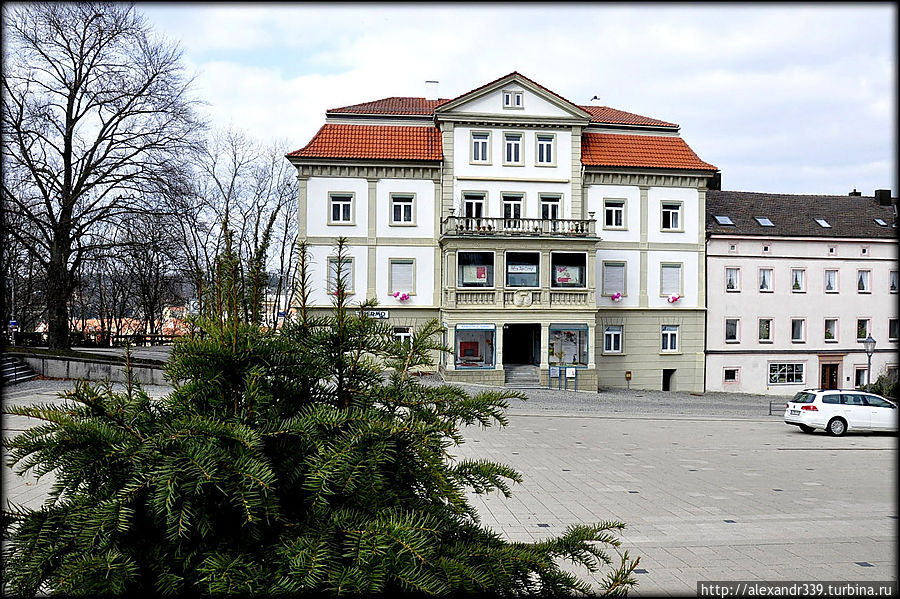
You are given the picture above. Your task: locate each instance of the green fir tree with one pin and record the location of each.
(281, 463)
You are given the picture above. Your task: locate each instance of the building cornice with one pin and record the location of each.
(362, 170)
(522, 121)
(604, 176)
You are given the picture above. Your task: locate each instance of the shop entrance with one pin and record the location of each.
(521, 344)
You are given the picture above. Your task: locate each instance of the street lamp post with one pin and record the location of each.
(869, 344)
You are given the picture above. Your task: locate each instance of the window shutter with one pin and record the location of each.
(613, 278)
(671, 279)
(402, 276)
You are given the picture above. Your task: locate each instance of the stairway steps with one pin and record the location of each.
(15, 371)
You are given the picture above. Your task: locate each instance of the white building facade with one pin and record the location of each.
(796, 283)
(555, 242)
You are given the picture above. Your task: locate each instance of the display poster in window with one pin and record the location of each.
(567, 274)
(475, 274)
(521, 268)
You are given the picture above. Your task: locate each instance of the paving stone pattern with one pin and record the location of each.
(710, 487)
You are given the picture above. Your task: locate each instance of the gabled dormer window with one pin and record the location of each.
(512, 99)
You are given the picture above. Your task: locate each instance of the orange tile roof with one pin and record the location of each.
(643, 151)
(395, 105)
(605, 114)
(377, 142)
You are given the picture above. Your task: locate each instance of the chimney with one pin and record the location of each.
(855, 193)
(883, 197)
(431, 90)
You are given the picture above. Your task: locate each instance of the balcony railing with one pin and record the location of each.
(538, 227)
(521, 298)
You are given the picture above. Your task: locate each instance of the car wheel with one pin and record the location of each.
(806, 429)
(837, 427)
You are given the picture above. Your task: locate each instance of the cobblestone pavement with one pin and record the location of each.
(710, 487)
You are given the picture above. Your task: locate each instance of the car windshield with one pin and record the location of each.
(803, 397)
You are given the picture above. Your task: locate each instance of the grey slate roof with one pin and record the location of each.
(794, 215)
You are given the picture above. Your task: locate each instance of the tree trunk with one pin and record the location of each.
(57, 301)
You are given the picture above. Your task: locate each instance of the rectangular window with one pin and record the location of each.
(481, 143)
(613, 278)
(344, 274)
(473, 210)
(612, 339)
(402, 209)
(860, 376)
(403, 335)
(341, 209)
(670, 338)
(474, 346)
(512, 99)
(786, 373)
(671, 216)
(765, 280)
(831, 330)
(670, 279)
(893, 329)
(862, 329)
(731, 375)
(893, 280)
(568, 269)
(613, 214)
(862, 281)
(798, 330)
(568, 345)
(732, 280)
(476, 269)
(512, 211)
(831, 281)
(549, 207)
(545, 153)
(512, 153)
(732, 330)
(798, 280)
(402, 276)
(522, 269)
(765, 330)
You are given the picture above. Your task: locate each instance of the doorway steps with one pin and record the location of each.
(15, 371)
(522, 376)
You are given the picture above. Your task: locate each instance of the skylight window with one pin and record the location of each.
(764, 221)
(724, 220)
(823, 223)
(880, 222)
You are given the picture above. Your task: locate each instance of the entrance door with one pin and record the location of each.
(668, 379)
(829, 378)
(521, 343)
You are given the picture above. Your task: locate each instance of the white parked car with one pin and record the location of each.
(838, 411)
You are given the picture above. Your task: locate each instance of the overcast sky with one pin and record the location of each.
(793, 99)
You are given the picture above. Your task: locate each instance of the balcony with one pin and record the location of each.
(464, 226)
(521, 298)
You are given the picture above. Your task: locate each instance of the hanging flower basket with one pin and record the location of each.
(616, 297)
(673, 298)
(400, 296)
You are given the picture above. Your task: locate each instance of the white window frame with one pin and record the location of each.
(549, 143)
(405, 199)
(836, 332)
(485, 147)
(604, 292)
(397, 260)
(737, 288)
(612, 333)
(512, 199)
(893, 281)
(759, 278)
(550, 200)
(553, 273)
(737, 330)
(331, 283)
(344, 197)
(801, 288)
(802, 337)
(737, 376)
(403, 335)
(867, 288)
(506, 268)
(662, 267)
(513, 100)
(857, 369)
(868, 322)
(665, 207)
(896, 335)
(493, 269)
(837, 280)
(771, 338)
(670, 332)
(792, 374)
(509, 142)
(613, 207)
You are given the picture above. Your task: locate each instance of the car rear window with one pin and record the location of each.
(803, 397)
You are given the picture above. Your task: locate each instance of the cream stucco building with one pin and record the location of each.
(549, 238)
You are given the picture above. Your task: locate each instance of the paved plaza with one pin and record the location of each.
(711, 487)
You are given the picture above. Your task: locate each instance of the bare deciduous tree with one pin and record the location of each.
(94, 110)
